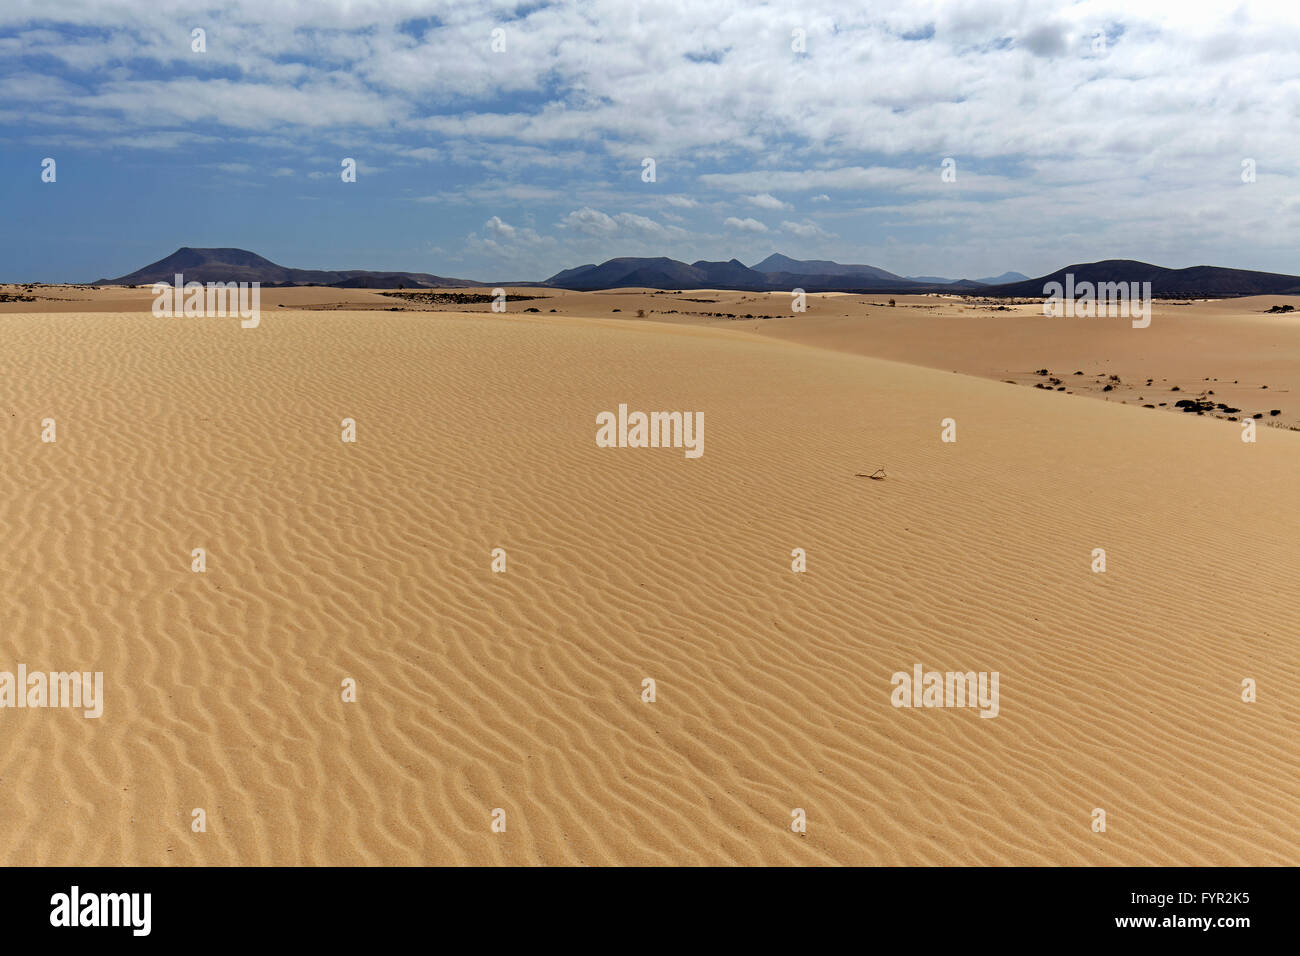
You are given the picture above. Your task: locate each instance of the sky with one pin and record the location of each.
(507, 141)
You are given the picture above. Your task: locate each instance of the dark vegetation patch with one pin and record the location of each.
(439, 297)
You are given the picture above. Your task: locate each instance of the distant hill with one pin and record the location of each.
(565, 275)
(653, 273)
(730, 273)
(777, 263)
(1207, 281)
(1005, 277)
(240, 265)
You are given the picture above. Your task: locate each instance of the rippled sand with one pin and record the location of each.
(522, 690)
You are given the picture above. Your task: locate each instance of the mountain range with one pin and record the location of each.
(775, 273)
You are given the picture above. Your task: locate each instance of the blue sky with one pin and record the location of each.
(1080, 131)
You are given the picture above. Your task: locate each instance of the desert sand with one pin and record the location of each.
(522, 690)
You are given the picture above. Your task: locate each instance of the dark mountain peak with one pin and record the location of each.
(1005, 277)
(565, 274)
(1207, 281)
(240, 265)
(776, 262)
(658, 272)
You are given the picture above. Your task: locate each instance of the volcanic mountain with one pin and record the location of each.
(1005, 277)
(779, 264)
(659, 273)
(240, 265)
(1201, 281)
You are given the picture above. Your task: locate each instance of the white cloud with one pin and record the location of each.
(744, 225)
(767, 201)
(494, 192)
(510, 246)
(806, 229)
(426, 154)
(593, 222)
(503, 230)
(590, 222)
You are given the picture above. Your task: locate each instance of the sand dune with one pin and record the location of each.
(522, 690)
(1230, 348)
(1229, 352)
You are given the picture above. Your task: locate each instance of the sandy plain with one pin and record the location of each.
(523, 690)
